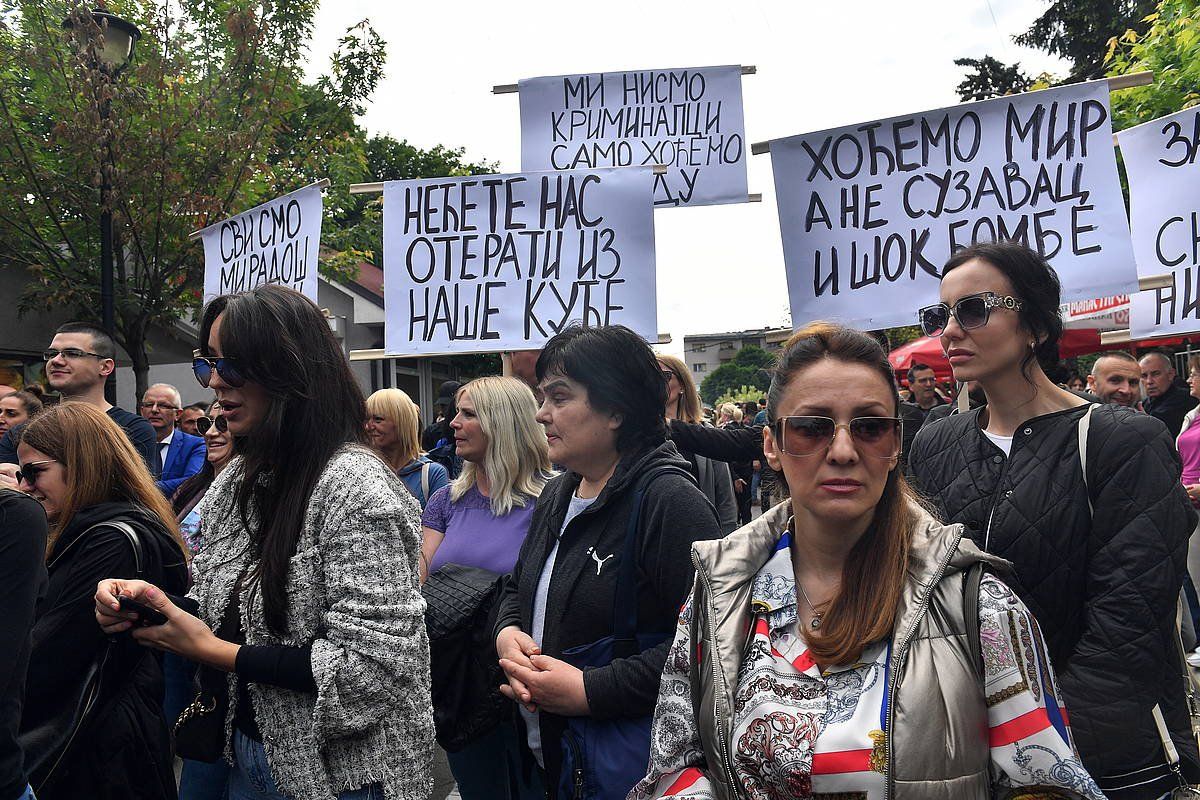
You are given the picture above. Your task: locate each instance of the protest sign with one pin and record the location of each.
(503, 262)
(1164, 212)
(869, 213)
(689, 120)
(276, 242)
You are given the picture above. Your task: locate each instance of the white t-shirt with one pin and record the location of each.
(1003, 442)
(534, 733)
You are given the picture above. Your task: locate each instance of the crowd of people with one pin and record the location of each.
(560, 588)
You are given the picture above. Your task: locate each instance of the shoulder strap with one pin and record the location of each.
(971, 581)
(1085, 423)
(625, 597)
(425, 483)
(135, 541)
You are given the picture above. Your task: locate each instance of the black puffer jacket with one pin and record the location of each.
(1103, 585)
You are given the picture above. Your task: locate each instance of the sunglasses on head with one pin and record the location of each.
(203, 424)
(225, 367)
(29, 472)
(809, 435)
(972, 311)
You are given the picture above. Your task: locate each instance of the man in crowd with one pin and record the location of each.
(1116, 378)
(189, 415)
(1165, 399)
(761, 417)
(181, 455)
(78, 361)
(922, 381)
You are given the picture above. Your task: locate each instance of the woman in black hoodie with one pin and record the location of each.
(92, 723)
(617, 525)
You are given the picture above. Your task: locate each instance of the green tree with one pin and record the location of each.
(742, 394)
(1170, 48)
(749, 367)
(210, 117)
(990, 78)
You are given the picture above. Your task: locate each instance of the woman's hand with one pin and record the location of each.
(1193, 492)
(555, 685)
(182, 633)
(515, 648)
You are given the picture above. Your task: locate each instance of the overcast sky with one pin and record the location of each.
(720, 268)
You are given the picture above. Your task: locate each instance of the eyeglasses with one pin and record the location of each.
(806, 436)
(225, 367)
(156, 404)
(203, 424)
(972, 311)
(69, 353)
(667, 375)
(29, 472)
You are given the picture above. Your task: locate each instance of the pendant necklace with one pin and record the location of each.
(817, 615)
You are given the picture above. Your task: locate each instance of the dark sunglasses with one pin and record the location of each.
(807, 436)
(70, 353)
(203, 424)
(972, 311)
(29, 472)
(225, 367)
(667, 375)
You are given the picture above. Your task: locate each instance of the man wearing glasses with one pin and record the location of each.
(180, 455)
(78, 361)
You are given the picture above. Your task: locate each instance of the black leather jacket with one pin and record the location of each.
(1103, 585)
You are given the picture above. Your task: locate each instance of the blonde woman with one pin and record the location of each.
(481, 520)
(730, 415)
(394, 428)
(683, 403)
(106, 518)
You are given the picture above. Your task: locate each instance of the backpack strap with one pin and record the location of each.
(1085, 423)
(971, 581)
(425, 483)
(135, 541)
(625, 603)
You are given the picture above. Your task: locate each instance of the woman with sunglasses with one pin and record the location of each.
(683, 403)
(846, 643)
(1099, 554)
(305, 587)
(93, 722)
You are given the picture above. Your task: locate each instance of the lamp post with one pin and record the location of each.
(112, 55)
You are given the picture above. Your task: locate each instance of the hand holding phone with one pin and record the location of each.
(147, 616)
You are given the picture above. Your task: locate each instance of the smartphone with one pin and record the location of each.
(147, 616)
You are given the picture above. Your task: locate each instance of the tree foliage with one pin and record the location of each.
(749, 367)
(1170, 48)
(1078, 31)
(742, 394)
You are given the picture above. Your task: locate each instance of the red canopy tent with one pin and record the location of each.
(1074, 342)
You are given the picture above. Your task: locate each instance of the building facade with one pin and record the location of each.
(705, 352)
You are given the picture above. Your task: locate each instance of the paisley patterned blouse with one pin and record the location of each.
(802, 733)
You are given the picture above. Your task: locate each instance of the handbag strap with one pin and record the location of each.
(425, 483)
(1085, 424)
(625, 600)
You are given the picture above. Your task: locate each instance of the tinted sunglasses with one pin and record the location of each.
(225, 367)
(203, 424)
(29, 472)
(972, 311)
(807, 436)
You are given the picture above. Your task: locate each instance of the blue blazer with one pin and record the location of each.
(185, 457)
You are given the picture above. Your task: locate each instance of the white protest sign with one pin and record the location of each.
(503, 262)
(689, 120)
(276, 242)
(1164, 212)
(870, 213)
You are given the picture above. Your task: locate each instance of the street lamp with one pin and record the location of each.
(113, 53)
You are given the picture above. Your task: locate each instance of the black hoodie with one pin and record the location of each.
(124, 747)
(579, 607)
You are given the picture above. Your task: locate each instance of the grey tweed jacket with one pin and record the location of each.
(353, 595)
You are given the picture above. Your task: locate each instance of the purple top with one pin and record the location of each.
(475, 537)
(1189, 454)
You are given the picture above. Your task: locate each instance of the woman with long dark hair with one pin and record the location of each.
(306, 584)
(93, 724)
(1084, 500)
(845, 643)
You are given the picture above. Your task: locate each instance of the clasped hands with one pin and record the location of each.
(182, 633)
(537, 681)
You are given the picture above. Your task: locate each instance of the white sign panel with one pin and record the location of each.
(503, 262)
(689, 120)
(870, 213)
(276, 242)
(1164, 212)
